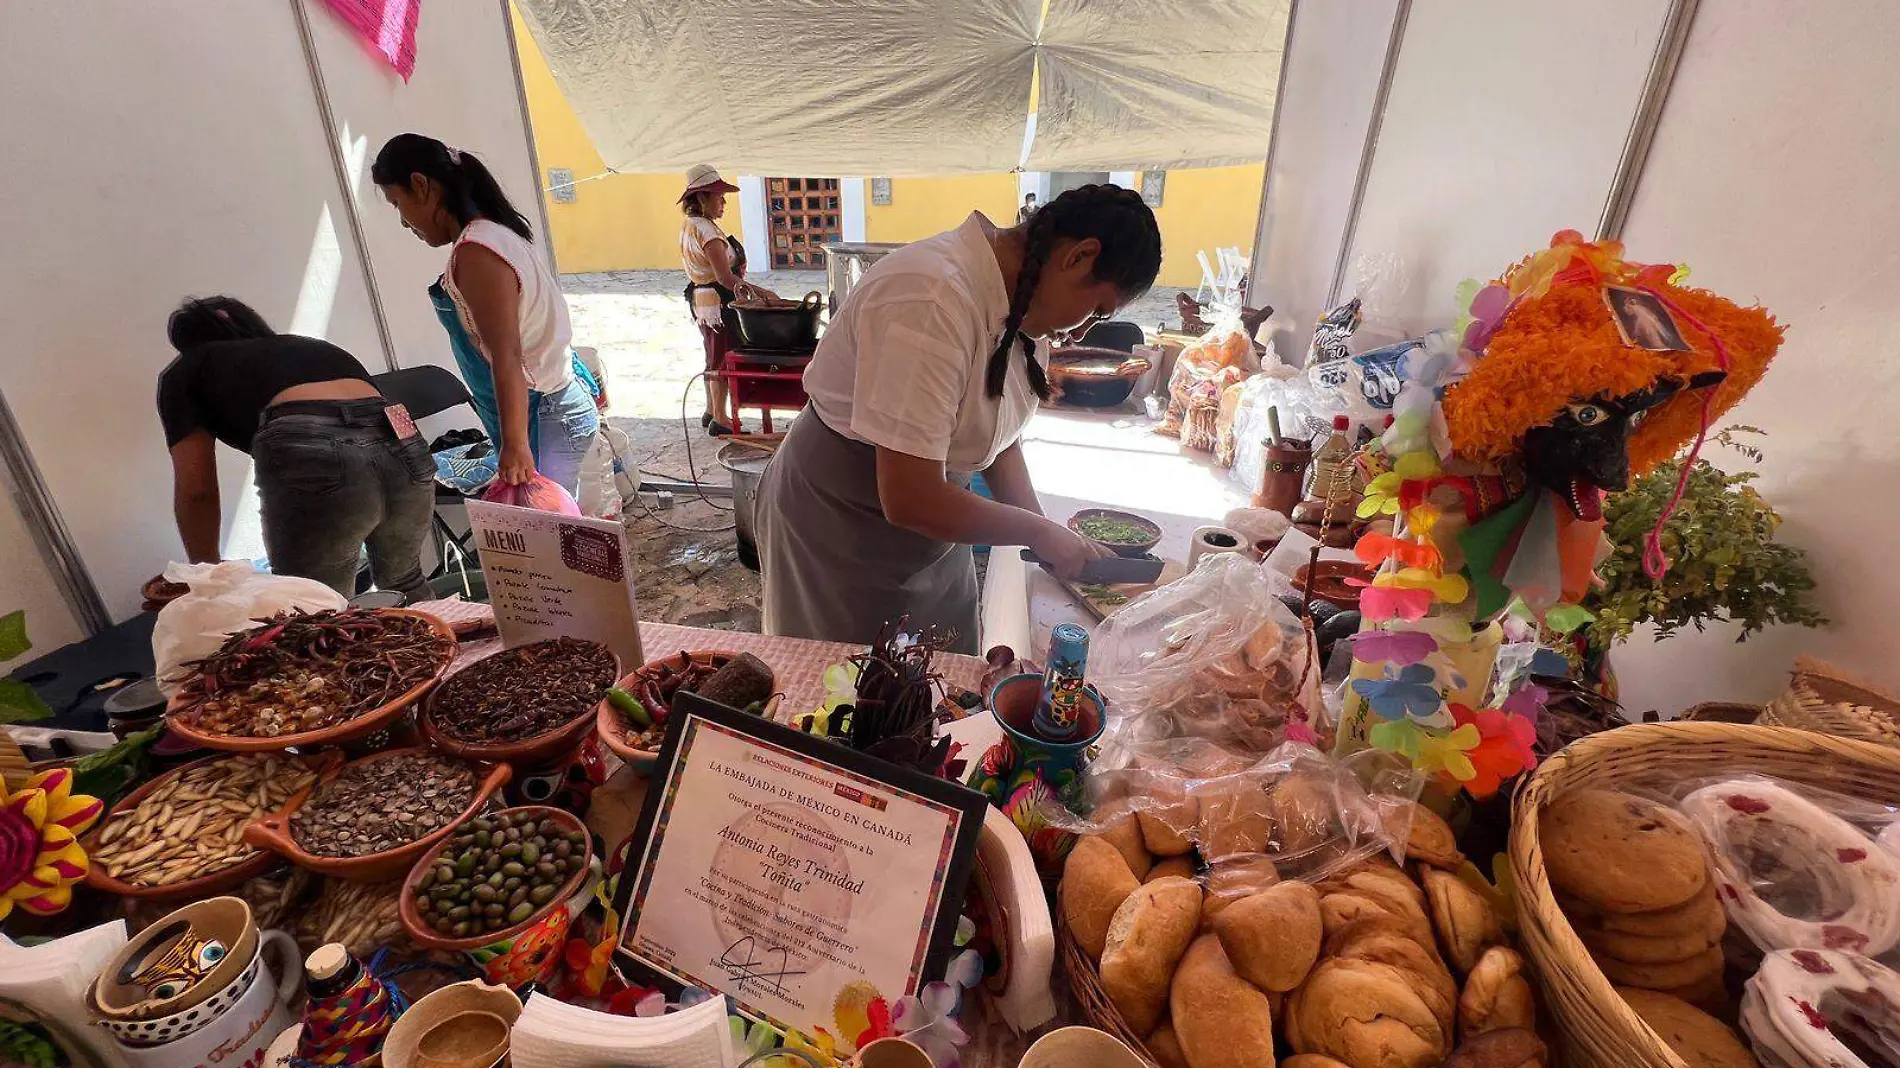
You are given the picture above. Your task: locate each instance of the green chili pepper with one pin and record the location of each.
(630, 705)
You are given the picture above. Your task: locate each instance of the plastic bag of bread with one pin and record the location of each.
(1212, 655)
(1222, 354)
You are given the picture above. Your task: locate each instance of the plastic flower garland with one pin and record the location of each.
(1525, 347)
(40, 854)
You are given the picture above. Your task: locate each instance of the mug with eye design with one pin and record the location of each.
(182, 960)
(156, 1032)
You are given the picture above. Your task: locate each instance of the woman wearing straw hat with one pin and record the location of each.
(715, 277)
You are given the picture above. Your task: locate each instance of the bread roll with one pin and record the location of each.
(1125, 835)
(1385, 941)
(1234, 878)
(1496, 995)
(1464, 920)
(1176, 866)
(1311, 1060)
(1272, 937)
(1095, 882)
(1365, 1014)
(1427, 837)
(1234, 817)
(1146, 938)
(1166, 1048)
(1303, 809)
(1165, 827)
(1221, 1020)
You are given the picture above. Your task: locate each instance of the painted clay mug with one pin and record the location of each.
(237, 1037)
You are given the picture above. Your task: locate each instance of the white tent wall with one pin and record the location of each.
(164, 150)
(1767, 175)
(27, 584)
(1772, 177)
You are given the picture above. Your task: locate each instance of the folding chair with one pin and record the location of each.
(1210, 282)
(427, 390)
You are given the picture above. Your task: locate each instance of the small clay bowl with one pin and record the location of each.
(205, 885)
(362, 724)
(1329, 582)
(1129, 549)
(273, 831)
(429, 938)
(618, 735)
(540, 750)
(227, 919)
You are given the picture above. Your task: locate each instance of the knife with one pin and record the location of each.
(1112, 570)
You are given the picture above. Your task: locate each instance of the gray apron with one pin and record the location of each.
(834, 568)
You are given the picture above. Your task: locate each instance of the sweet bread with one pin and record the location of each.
(1272, 937)
(1365, 1013)
(1851, 886)
(1385, 942)
(1462, 917)
(1150, 931)
(1670, 976)
(1095, 882)
(1496, 995)
(1220, 1019)
(1427, 837)
(1509, 1048)
(1125, 835)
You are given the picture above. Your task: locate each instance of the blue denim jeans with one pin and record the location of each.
(564, 430)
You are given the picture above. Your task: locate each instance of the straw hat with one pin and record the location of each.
(463, 1025)
(705, 179)
(1080, 1047)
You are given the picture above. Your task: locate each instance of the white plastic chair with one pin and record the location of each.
(1210, 282)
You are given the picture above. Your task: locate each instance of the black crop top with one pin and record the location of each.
(224, 387)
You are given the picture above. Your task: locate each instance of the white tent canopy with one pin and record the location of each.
(915, 87)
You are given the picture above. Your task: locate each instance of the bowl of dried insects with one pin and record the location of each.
(370, 819)
(303, 679)
(527, 706)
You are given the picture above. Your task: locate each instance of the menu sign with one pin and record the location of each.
(785, 871)
(552, 576)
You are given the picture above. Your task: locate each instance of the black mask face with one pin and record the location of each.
(1584, 452)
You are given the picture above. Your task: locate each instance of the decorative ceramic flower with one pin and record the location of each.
(40, 854)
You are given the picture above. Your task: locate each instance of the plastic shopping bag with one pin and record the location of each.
(538, 492)
(224, 599)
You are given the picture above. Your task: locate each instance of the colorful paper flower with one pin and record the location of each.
(1431, 751)
(1408, 693)
(1375, 548)
(40, 854)
(1381, 496)
(1382, 604)
(1504, 749)
(1392, 646)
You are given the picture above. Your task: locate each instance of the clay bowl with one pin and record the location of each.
(273, 832)
(349, 730)
(1329, 582)
(540, 750)
(205, 885)
(1119, 548)
(618, 735)
(430, 938)
(227, 919)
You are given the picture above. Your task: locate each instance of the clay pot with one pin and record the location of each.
(217, 882)
(349, 730)
(445, 1011)
(1120, 548)
(273, 832)
(1014, 703)
(1283, 483)
(427, 936)
(1329, 582)
(548, 747)
(618, 735)
(119, 1002)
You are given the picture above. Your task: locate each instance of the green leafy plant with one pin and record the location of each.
(18, 702)
(1724, 562)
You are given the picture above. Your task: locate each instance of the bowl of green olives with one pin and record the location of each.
(495, 876)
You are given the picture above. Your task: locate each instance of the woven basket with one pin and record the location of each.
(1720, 712)
(1086, 983)
(1822, 697)
(1598, 1029)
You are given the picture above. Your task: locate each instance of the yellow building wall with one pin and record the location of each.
(616, 223)
(1201, 210)
(921, 207)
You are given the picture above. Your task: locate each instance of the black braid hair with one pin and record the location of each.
(1130, 259)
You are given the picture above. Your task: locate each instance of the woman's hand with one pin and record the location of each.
(516, 465)
(1064, 552)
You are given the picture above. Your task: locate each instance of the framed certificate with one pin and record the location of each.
(786, 871)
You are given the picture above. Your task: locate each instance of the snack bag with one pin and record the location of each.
(539, 492)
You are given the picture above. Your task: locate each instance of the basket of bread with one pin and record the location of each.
(1714, 894)
(1248, 913)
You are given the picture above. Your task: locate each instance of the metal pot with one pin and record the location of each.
(747, 465)
(793, 327)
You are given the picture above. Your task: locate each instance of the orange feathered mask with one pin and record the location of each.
(1557, 343)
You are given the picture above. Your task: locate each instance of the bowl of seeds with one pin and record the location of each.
(1122, 533)
(181, 835)
(525, 706)
(371, 818)
(302, 679)
(497, 875)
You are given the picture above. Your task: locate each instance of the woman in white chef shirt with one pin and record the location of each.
(927, 375)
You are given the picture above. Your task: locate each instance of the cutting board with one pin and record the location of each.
(1102, 601)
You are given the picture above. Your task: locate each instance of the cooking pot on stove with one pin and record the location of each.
(778, 324)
